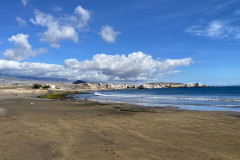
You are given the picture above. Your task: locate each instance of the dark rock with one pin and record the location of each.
(79, 82)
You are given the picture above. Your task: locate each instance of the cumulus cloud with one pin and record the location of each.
(55, 30)
(108, 34)
(22, 49)
(24, 2)
(62, 28)
(84, 16)
(135, 67)
(28, 68)
(21, 21)
(15, 68)
(216, 29)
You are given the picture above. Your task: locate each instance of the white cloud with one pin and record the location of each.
(84, 16)
(24, 2)
(216, 29)
(57, 8)
(21, 21)
(15, 68)
(134, 67)
(28, 68)
(62, 28)
(22, 49)
(102, 68)
(108, 34)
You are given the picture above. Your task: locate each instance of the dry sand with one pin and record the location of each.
(41, 129)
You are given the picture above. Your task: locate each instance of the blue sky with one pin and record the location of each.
(122, 41)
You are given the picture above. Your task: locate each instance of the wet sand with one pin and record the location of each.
(43, 129)
(3, 112)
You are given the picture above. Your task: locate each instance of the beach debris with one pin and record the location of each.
(15, 94)
(32, 103)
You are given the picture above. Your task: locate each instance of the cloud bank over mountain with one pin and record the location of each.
(135, 67)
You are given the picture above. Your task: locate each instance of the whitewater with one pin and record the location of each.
(203, 99)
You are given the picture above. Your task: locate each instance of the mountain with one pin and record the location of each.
(24, 78)
(79, 82)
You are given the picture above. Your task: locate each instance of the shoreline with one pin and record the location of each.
(188, 107)
(64, 96)
(39, 129)
(215, 109)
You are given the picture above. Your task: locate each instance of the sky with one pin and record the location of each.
(127, 41)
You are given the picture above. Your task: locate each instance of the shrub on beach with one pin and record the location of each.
(37, 86)
(46, 87)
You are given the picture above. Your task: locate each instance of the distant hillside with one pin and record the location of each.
(24, 78)
(45, 79)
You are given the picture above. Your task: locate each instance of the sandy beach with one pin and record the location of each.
(44, 129)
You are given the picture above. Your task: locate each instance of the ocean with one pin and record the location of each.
(203, 99)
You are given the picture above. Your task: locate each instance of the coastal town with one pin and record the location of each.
(82, 85)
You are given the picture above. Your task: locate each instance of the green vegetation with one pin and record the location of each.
(37, 86)
(46, 87)
(62, 96)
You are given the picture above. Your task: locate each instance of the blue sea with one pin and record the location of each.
(203, 99)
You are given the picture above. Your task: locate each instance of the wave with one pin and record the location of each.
(189, 103)
(98, 94)
(116, 95)
(224, 99)
(174, 97)
(228, 105)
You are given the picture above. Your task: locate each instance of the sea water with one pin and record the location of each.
(204, 99)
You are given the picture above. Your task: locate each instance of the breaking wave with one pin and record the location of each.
(225, 98)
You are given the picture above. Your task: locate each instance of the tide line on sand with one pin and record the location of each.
(3, 112)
